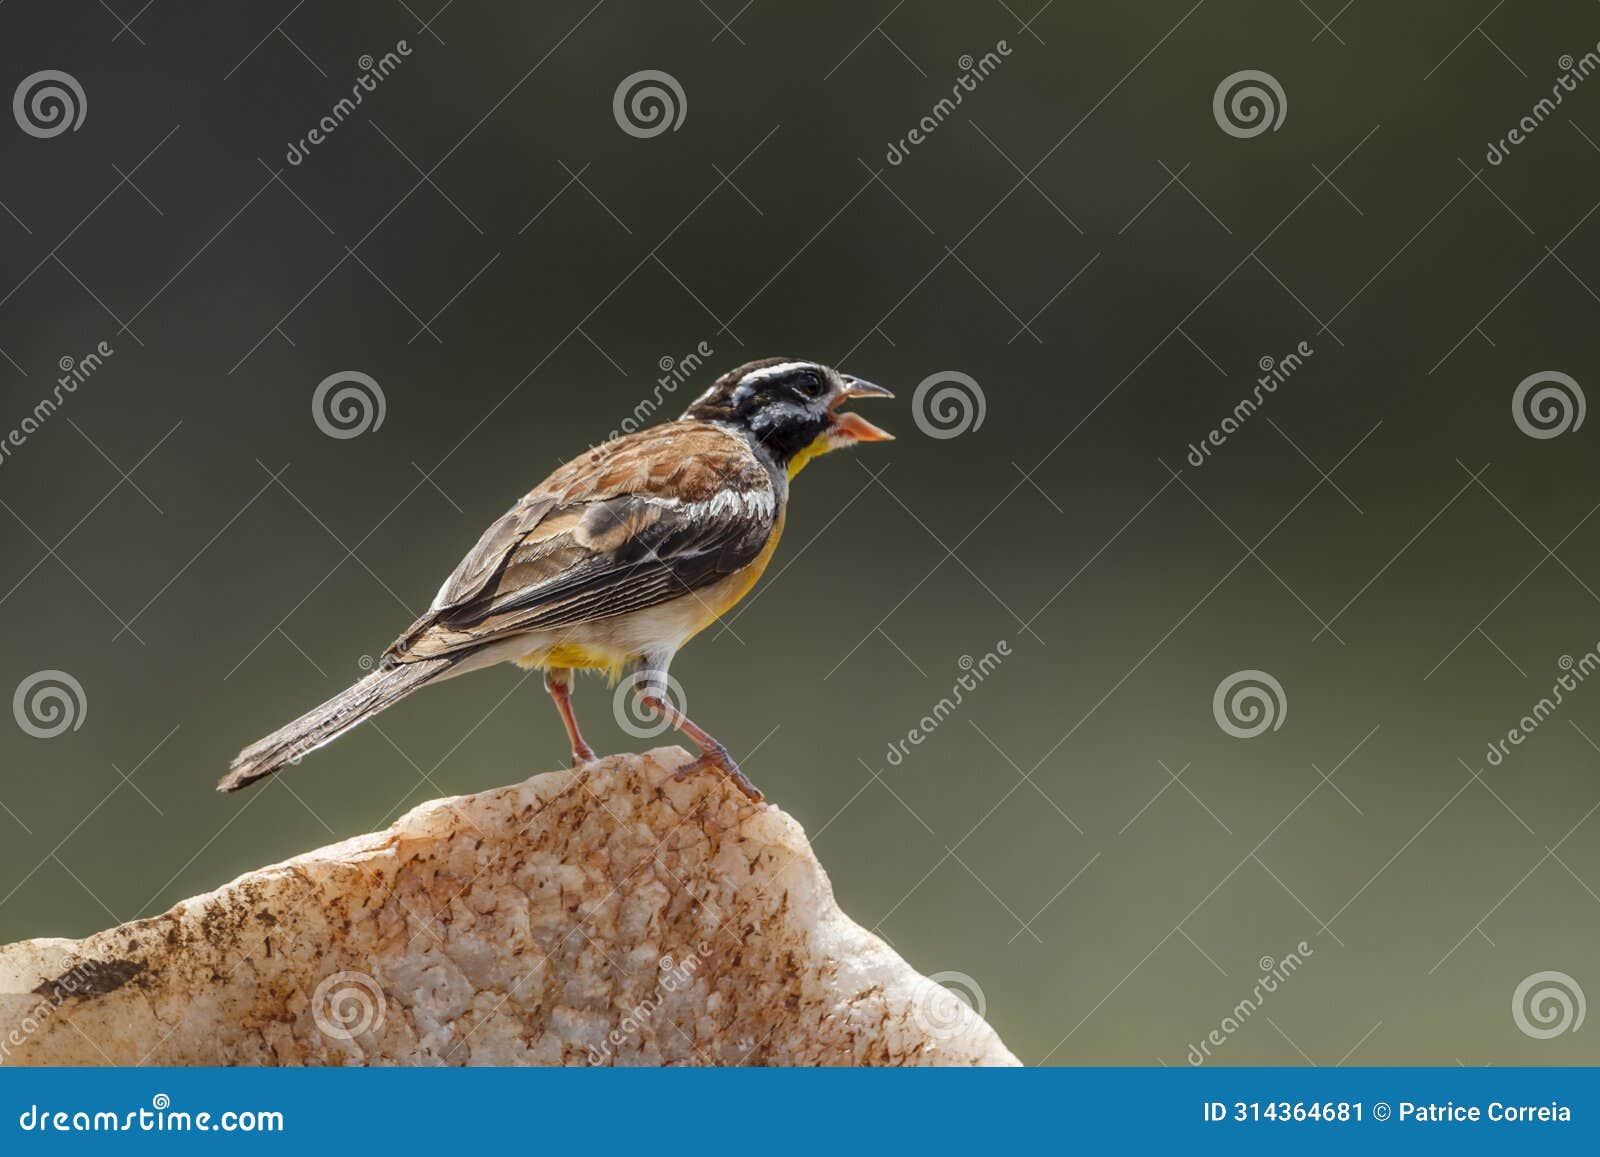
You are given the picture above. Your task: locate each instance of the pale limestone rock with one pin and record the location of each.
(610, 916)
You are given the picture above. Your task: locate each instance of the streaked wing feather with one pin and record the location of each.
(491, 550)
(634, 524)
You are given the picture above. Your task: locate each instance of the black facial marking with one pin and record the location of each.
(785, 411)
(809, 383)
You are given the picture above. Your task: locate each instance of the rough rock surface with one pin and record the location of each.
(610, 916)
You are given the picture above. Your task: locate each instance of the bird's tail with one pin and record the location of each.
(357, 703)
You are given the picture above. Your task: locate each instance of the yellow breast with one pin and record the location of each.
(578, 656)
(722, 597)
(705, 607)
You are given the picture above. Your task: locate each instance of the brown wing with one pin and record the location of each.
(634, 523)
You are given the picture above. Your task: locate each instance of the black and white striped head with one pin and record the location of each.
(791, 407)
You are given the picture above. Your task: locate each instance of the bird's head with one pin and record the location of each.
(791, 407)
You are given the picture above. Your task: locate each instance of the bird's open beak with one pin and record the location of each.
(853, 427)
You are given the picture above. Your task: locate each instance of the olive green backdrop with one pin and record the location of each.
(1079, 845)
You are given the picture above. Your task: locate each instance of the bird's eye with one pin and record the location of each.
(811, 384)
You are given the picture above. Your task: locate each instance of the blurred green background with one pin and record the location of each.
(1084, 241)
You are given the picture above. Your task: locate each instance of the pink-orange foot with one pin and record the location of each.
(718, 759)
(712, 753)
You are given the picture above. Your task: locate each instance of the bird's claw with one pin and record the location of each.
(720, 760)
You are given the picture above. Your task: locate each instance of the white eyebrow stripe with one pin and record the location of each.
(781, 368)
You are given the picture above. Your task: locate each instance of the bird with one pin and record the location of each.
(615, 561)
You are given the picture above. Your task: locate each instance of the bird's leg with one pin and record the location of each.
(712, 752)
(558, 681)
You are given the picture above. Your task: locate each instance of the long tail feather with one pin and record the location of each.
(324, 724)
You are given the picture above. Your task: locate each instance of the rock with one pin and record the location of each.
(604, 916)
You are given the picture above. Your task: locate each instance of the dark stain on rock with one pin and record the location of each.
(91, 978)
